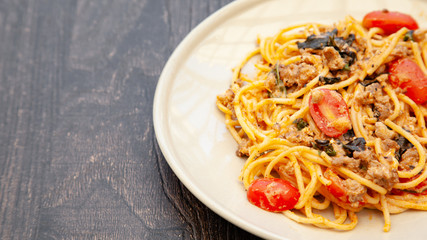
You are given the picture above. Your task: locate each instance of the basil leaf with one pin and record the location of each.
(357, 144)
(301, 123)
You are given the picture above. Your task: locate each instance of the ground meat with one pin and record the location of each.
(400, 51)
(382, 73)
(302, 137)
(382, 101)
(343, 161)
(409, 159)
(366, 164)
(271, 82)
(297, 74)
(383, 132)
(365, 156)
(355, 190)
(410, 123)
(388, 144)
(333, 59)
(243, 149)
(338, 148)
(365, 98)
(373, 94)
(382, 174)
(226, 99)
(383, 110)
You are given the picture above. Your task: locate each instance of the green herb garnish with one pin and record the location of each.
(277, 74)
(324, 145)
(409, 36)
(346, 67)
(301, 123)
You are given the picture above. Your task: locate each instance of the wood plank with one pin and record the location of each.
(78, 153)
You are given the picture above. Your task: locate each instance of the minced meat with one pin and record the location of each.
(333, 59)
(409, 159)
(373, 94)
(299, 74)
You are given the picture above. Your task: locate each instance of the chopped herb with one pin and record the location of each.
(346, 67)
(409, 36)
(301, 123)
(329, 80)
(279, 83)
(277, 74)
(357, 144)
(324, 145)
(404, 145)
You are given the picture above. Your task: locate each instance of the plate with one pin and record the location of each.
(191, 131)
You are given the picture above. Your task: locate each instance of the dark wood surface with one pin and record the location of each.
(78, 153)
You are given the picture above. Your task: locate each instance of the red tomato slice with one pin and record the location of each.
(330, 112)
(406, 74)
(389, 22)
(273, 194)
(336, 188)
(418, 190)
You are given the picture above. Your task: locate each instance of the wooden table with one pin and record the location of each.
(78, 153)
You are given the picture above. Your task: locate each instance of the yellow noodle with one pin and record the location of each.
(281, 137)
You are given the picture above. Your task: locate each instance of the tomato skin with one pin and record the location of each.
(414, 190)
(336, 188)
(389, 22)
(406, 74)
(330, 112)
(273, 194)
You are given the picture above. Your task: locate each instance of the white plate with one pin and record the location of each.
(191, 131)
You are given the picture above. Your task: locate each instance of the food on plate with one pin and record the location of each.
(334, 119)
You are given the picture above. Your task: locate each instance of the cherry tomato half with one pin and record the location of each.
(273, 194)
(406, 74)
(330, 112)
(389, 22)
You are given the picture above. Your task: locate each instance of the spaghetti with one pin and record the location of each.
(366, 152)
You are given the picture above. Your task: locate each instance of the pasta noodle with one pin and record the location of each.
(379, 160)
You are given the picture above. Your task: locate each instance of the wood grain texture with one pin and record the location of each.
(78, 153)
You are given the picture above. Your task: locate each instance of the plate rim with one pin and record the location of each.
(169, 69)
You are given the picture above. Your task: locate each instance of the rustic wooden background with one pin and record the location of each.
(78, 154)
